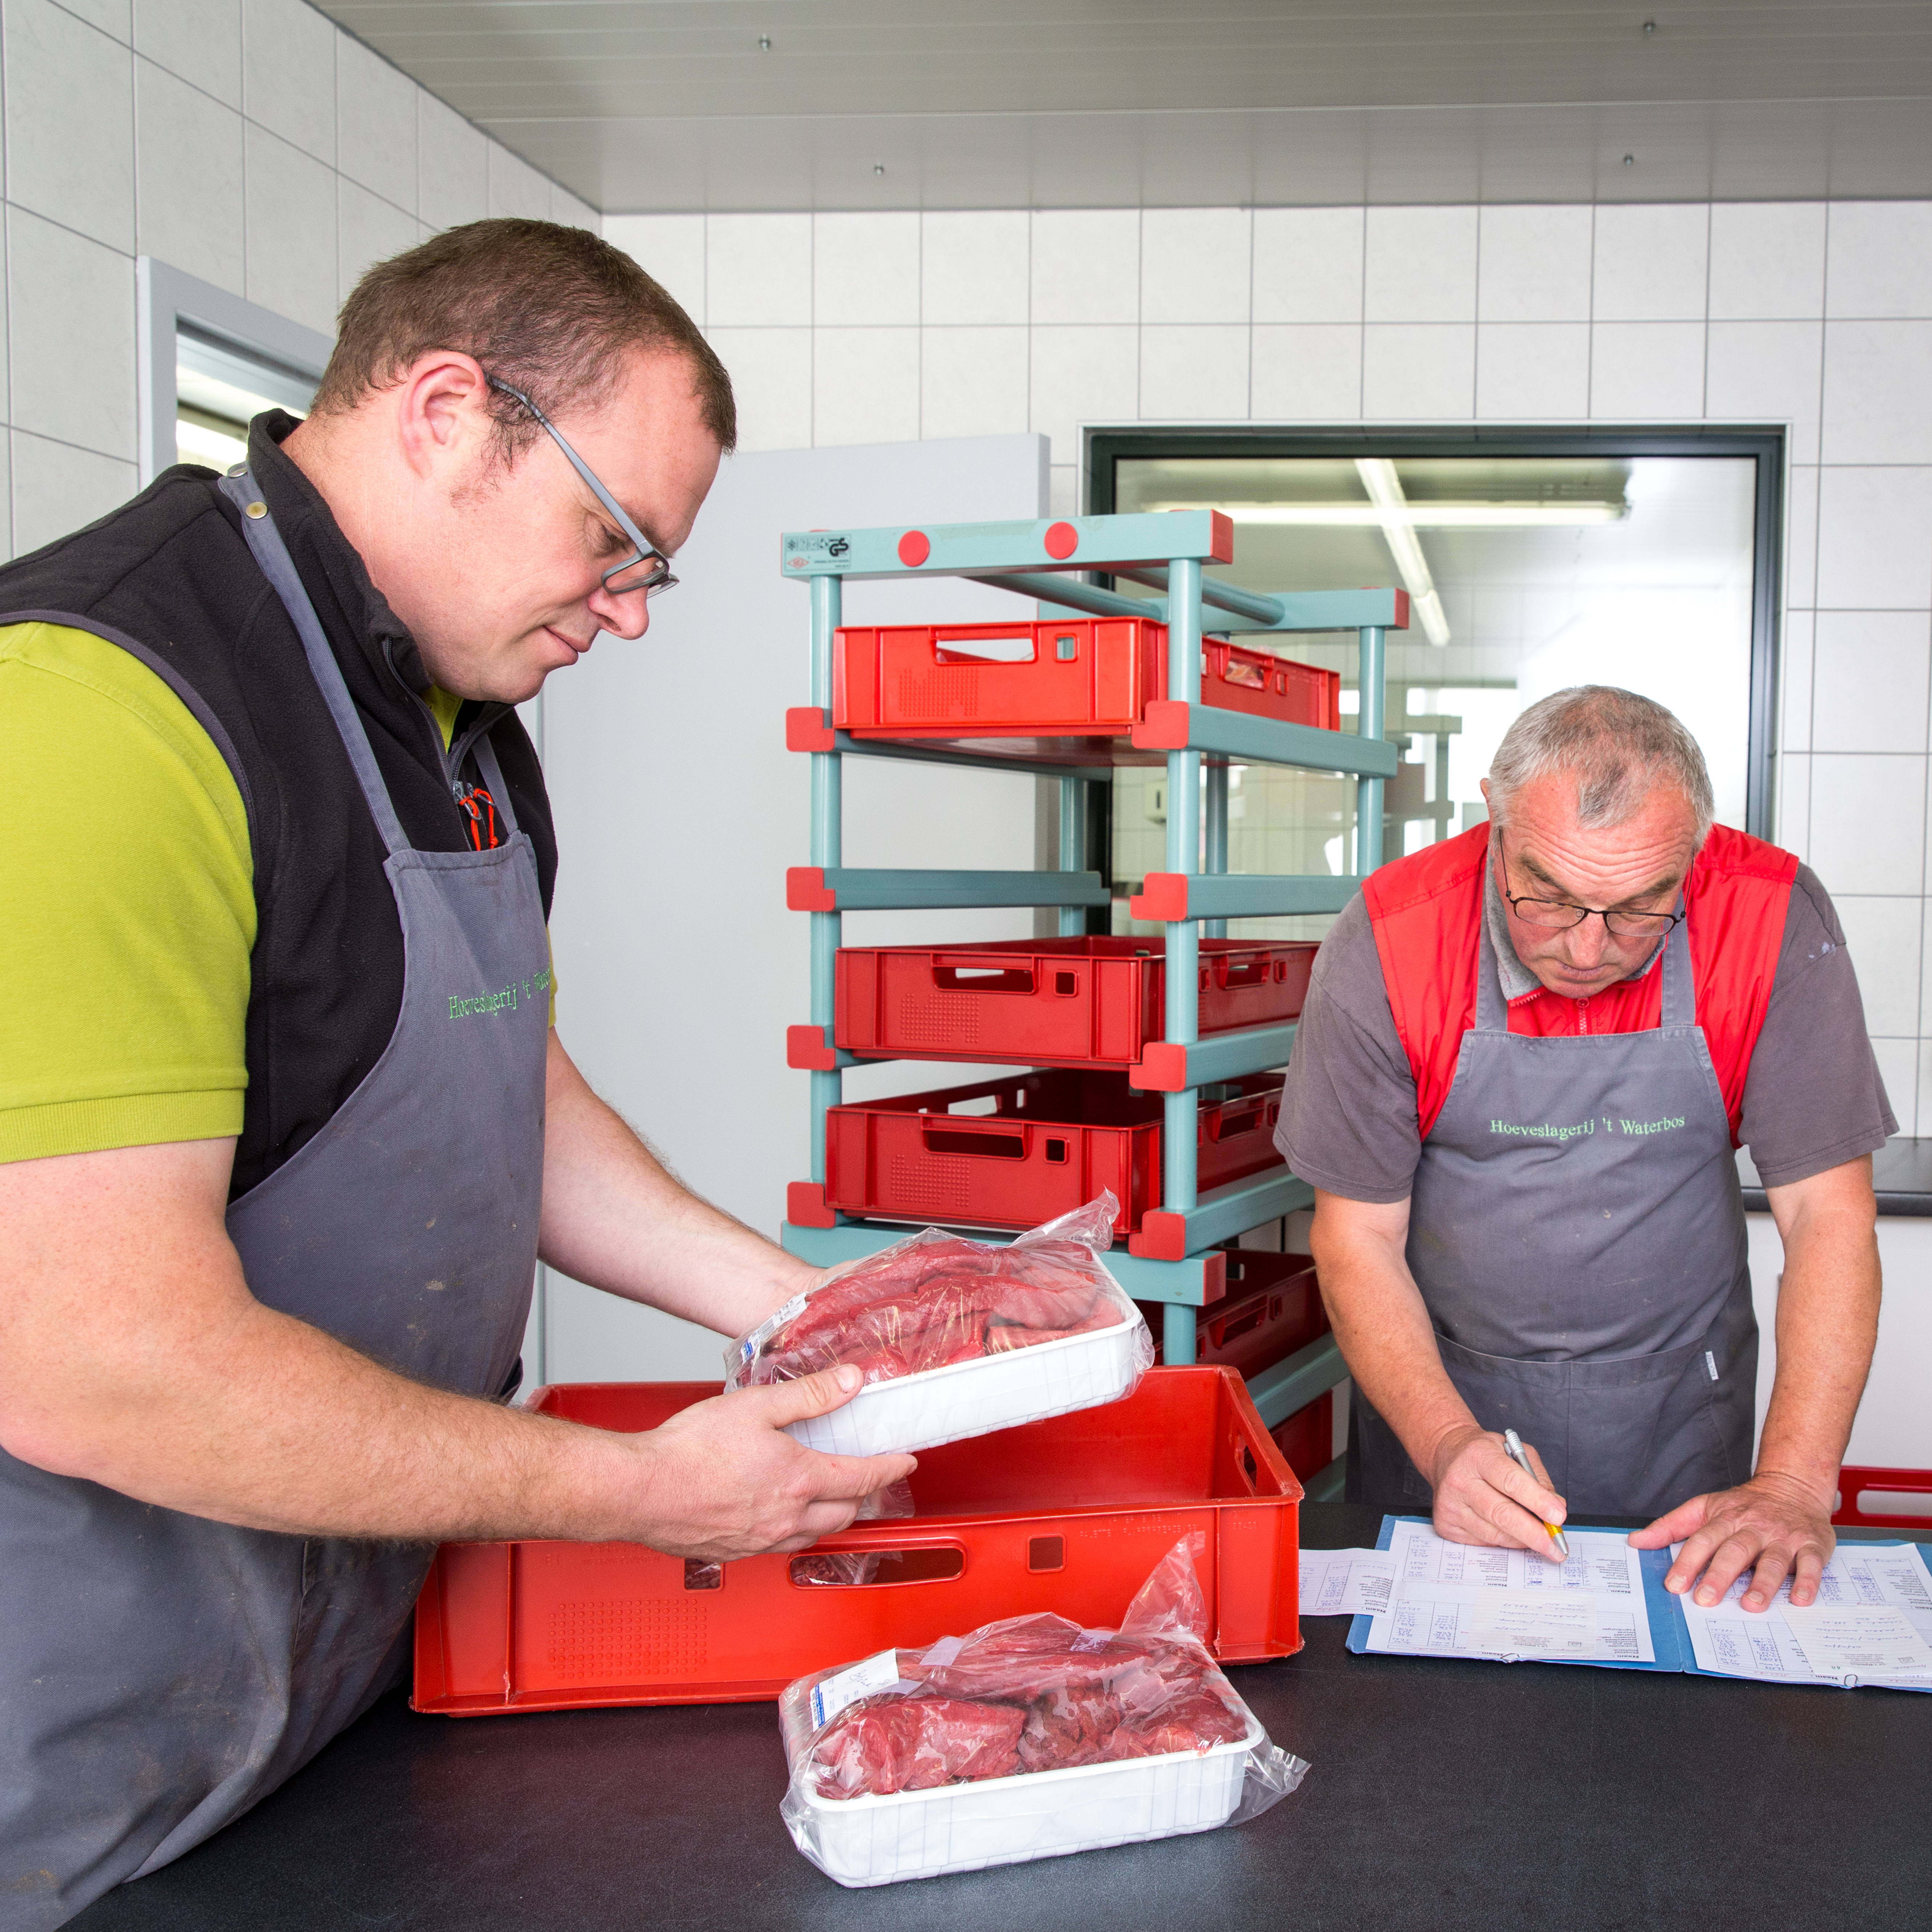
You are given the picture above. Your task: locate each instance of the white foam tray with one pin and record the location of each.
(975, 1398)
(1043, 1814)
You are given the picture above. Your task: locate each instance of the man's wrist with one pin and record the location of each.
(1812, 1480)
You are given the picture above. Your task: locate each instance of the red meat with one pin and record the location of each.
(883, 1744)
(1073, 1697)
(940, 1299)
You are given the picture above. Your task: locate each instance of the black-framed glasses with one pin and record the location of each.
(648, 569)
(1559, 915)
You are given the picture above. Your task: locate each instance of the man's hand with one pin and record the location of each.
(725, 1481)
(1481, 1496)
(1772, 1525)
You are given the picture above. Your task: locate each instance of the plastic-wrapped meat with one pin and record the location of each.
(883, 1744)
(937, 1299)
(1026, 1695)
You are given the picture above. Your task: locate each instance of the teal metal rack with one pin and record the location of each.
(1175, 1259)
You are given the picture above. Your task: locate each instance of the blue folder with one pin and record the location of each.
(1670, 1634)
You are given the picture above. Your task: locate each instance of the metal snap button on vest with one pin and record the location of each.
(258, 509)
(239, 470)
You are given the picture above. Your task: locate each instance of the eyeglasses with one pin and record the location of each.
(1558, 915)
(648, 570)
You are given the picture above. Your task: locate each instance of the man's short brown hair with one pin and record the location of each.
(551, 310)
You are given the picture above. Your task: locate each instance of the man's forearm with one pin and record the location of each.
(1827, 1307)
(1384, 1333)
(613, 1217)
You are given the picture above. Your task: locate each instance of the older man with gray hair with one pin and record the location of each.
(1527, 1055)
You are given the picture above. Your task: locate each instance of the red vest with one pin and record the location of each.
(1426, 912)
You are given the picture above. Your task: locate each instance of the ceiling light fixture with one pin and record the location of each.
(1426, 516)
(1384, 488)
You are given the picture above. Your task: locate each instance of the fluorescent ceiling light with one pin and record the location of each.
(1384, 487)
(1419, 516)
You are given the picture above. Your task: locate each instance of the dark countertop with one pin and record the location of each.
(1445, 1797)
(1901, 1178)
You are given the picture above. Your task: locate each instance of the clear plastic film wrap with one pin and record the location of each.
(1029, 1738)
(958, 1337)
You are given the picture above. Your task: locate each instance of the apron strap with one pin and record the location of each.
(485, 755)
(271, 555)
(1680, 988)
(1491, 1009)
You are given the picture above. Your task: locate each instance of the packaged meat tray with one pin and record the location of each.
(1030, 1738)
(958, 1337)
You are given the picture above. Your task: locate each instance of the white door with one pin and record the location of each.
(678, 809)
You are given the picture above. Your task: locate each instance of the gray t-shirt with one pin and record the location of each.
(1812, 1098)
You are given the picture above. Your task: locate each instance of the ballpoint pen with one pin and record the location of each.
(1514, 1444)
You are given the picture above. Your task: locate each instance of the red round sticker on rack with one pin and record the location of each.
(915, 547)
(1062, 540)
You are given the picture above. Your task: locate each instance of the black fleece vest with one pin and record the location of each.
(169, 577)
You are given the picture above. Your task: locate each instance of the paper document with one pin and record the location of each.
(1346, 1582)
(1457, 1599)
(1871, 1623)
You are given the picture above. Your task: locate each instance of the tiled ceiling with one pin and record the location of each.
(651, 104)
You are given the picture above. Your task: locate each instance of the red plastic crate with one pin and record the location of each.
(1068, 1515)
(1051, 1142)
(1052, 1002)
(1081, 677)
(1855, 1488)
(1272, 1308)
(1307, 1438)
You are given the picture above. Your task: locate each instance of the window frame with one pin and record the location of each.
(1765, 444)
(165, 298)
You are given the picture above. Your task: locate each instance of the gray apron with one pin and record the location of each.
(162, 1671)
(1578, 1235)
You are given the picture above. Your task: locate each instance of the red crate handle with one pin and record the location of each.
(936, 1128)
(1002, 976)
(1242, 969)
(1237, 1117)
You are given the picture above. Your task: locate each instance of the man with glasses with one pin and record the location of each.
(285, 1119)
(1527, 1055)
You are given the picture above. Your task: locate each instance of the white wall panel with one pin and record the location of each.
(678, 809)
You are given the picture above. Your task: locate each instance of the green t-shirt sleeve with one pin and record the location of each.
(127, 906)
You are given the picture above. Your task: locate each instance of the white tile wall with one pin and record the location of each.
(1528, 371)
(1818, 319)
(1651, 264)
(1534, 264)
(1307, 371)
(1767, 260)
(1652, 369)
(1308, 264)
(1420, 265)
(199, 39)
(207, 133)
(1424, 370)
(189, 206)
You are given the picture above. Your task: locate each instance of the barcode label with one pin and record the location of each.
(847, 1686)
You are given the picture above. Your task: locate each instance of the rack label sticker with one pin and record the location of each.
(847, 1686)
(816, 547)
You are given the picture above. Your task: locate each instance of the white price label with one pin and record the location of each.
(848, 1686)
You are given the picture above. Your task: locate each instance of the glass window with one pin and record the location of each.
(220, 388)
(1527, 573)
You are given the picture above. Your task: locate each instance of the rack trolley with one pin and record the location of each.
(1175, 1259)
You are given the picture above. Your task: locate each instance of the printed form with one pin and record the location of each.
(1346, 1582)
(1459, 1599)
(1871, 1623)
